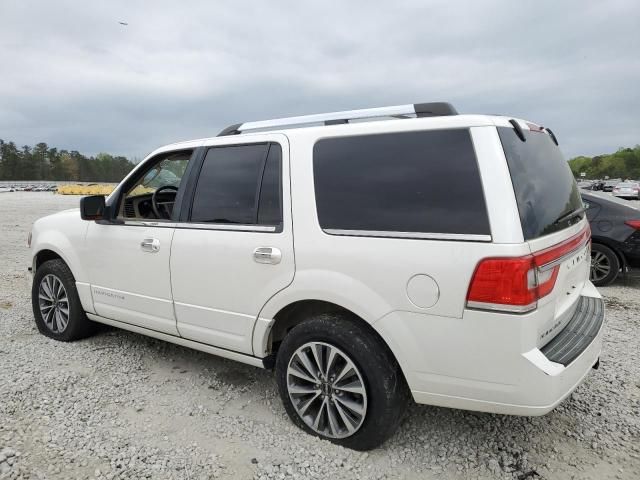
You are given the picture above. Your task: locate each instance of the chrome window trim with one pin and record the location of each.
(227, 227)
(206, 226)
(417, 235)
(140, 223)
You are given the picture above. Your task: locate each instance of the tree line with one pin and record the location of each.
(42, 163)
(625, 163)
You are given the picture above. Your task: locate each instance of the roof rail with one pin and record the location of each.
(435, 109)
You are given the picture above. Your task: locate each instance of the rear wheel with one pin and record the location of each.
(56, 305)
(604, 265)
(338, 381)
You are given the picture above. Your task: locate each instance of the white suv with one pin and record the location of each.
(369, 256)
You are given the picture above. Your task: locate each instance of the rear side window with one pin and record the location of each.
(542, 181)
(239, 184)
(415, 182)
(270, 204)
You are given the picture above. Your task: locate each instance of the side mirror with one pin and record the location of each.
(92, 207)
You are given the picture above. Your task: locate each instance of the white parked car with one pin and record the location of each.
(630, 190)
(332, 248)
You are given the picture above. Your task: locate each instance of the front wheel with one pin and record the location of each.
(340, 382)
(56, 305)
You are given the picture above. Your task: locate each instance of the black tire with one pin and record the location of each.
(605, 257)
(78, 325)
(387, 393)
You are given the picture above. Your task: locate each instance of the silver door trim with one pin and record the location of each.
(206, 226)
(416, 235)
(225, 227)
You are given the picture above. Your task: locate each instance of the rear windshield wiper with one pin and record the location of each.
(569, 215)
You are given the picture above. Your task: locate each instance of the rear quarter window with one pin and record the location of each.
(415, 182)
(542, 181)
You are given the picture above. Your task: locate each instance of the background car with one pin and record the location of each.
(610, 184)
(627, 190)
(615, 235)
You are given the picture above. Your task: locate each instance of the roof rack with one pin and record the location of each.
(434, 109)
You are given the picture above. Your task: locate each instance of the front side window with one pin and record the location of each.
(239, 184)
(153, 194)
(418, 182)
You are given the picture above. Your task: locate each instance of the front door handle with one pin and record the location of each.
(267, 255)
(151, 245)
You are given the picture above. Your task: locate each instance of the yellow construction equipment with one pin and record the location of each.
(84, 189)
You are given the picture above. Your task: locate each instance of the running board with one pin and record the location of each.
(220, 352)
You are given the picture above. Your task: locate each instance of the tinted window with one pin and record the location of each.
(542, 180)
(227, 187)
(400, 182)
(269, 210)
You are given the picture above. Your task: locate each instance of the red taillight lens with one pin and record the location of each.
(502, 282)
(633, 224)
(515, 284)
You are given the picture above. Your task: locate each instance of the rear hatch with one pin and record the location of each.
(553, 223)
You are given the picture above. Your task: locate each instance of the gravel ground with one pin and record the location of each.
(120, 405)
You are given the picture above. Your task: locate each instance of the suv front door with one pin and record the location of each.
(128, 259)
(233, 248)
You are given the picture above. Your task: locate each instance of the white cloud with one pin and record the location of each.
(74, 77)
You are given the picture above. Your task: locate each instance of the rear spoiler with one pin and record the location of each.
(533, 128)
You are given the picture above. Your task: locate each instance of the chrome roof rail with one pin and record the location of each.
(435, 109)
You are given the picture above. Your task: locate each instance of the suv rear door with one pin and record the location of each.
(233, 248)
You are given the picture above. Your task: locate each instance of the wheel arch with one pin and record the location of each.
(46, 252)
(45, 255)
(296, 312)
(611, 244)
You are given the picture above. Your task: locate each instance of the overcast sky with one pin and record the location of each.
(72, 76)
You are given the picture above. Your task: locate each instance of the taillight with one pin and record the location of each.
(515, 284)
(633, 224)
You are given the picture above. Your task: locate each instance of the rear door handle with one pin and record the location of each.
(151, 245)
(267, 255)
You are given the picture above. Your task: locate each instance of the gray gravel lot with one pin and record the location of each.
(120, 405)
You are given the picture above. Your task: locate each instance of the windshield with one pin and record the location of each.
(545, 189)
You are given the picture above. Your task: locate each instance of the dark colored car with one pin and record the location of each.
(615, 230)
(597, 185)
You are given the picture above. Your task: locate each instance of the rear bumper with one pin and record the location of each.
(480, 373)
(578, 334)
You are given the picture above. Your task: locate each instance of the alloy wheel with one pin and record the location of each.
(600, 266)
(327, 390)
(54, 303)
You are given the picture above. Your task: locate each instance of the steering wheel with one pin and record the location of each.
(159, 206)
